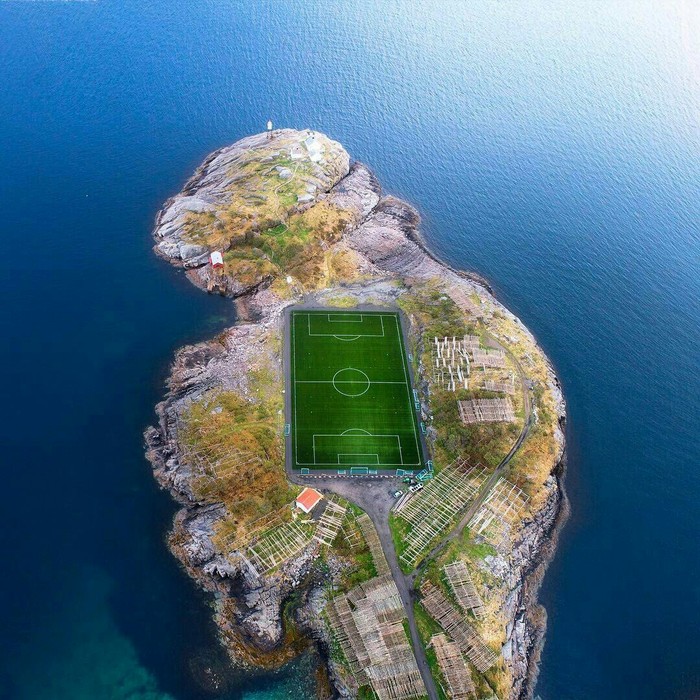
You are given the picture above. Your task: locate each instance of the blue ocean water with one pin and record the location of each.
(552, 146)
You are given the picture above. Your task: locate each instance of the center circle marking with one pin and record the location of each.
(351, 382)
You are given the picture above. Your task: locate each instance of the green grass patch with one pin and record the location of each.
(400, 531)
(475, 551)
(427, 627)
(354, 509)
(436, 311)
(436, 673)
(352, 401)
(237, 446)
(361, 570)
(484, 443)
(336, 650)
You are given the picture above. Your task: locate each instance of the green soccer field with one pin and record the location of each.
(352, 402)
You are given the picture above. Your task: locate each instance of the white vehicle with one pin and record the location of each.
(415, 487)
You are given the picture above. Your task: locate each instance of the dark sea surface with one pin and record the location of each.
(553, 146)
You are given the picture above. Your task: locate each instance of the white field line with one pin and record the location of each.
(294, 369)
(359, 454)
(414, 420)
(346, 320)
(342, 381)
(349, 336)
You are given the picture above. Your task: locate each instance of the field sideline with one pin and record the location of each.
(352, 405)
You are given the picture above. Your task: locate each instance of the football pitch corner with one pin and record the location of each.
(351, 406)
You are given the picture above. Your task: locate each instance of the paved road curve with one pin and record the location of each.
(374, 496)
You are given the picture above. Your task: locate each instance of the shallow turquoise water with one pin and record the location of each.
(552, 146)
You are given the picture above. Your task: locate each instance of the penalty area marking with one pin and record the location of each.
(358, 432)
(343, 336)
(352, 318)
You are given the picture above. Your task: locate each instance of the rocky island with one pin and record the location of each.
(407, 584)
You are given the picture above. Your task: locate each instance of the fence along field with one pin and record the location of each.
(352, 402)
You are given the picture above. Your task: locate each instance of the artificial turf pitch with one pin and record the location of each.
(352, 404)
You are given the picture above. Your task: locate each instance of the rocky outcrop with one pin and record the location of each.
(209, 189)
(383, 238)
(359, 192)
(523, 573)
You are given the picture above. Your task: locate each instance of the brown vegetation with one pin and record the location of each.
(250, 653)
(236, 445)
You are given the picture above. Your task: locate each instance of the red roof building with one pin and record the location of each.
(308, 499)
